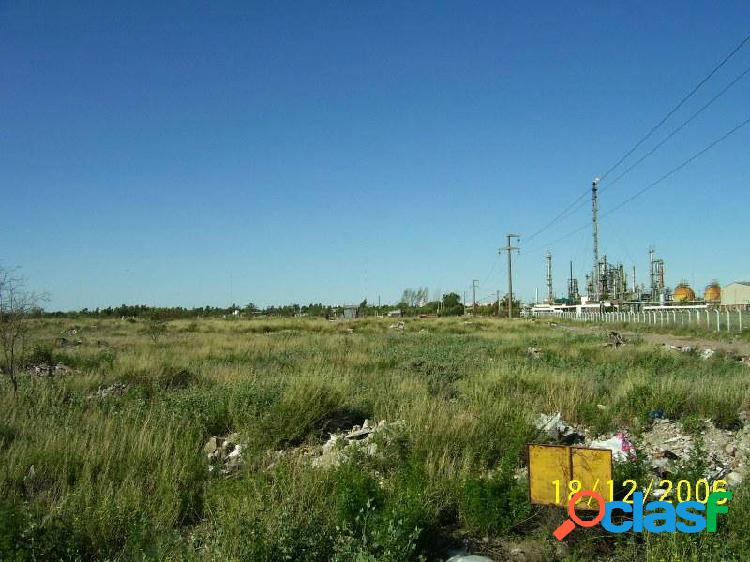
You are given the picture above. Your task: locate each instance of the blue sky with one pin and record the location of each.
(203, 153)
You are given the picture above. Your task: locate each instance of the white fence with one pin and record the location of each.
(713, 320)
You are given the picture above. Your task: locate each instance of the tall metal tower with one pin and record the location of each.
(595, 232)
(550, 296)
(572, 285)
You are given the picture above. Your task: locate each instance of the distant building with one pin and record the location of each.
(394, 314)
(736, 294)
(349, 312)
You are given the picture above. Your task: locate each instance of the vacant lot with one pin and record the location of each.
(103, 457)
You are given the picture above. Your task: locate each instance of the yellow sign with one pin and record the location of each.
(557, 472)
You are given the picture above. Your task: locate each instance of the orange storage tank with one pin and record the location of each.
(683, 293)
(712, 292)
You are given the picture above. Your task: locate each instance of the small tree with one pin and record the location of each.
(16, 305)
(452, 305)
(156, 326)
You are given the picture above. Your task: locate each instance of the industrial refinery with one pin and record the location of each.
(611, 287)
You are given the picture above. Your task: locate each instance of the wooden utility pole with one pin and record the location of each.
(509, 249)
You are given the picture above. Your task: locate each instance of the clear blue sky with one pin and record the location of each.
(199, 153)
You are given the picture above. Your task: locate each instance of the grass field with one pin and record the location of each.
(124, 477)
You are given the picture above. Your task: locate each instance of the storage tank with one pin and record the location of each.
(683, 293)
(712, 292)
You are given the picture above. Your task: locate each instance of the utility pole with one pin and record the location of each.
(474, 285)
(509, 249)
(498, 303)
(595, 227)
(464, 303)
(550, 297)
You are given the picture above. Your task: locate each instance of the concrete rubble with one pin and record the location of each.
(681, 348)
(615, 340)
(224, 453)
(397, 326)
(114, 389)
(49, 370)
(340, 447)
(555, 429)
(534, 353)
(666, 447)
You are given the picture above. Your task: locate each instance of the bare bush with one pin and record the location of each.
(16, 306)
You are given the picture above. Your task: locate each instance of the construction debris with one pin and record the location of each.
(224, 453)
(620, 445)
(397, 326)
(341, 446)
(707, 353)
(49, 370)
(554, 428)
(115, 389)
(681, 348)
(534, 353)
(666, 447)
(615, 340)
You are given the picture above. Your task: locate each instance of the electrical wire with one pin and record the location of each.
(680, 127)
(652, 184)
(677, 107)
(577, 203)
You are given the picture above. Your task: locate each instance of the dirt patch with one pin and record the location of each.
(739, 348)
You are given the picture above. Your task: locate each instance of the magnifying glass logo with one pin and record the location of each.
(569, 524)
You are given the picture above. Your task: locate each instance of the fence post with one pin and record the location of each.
(727, 319)
(718, 320)
(739, 314)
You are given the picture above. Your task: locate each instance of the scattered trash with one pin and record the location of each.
(620, 445)
(534, 353)
(48, 370)
(224, 453)
(666, 447)
(397, 326)
(681, 348)
(707, 353)
(556, 430)
(341, 446)
(615, 340)
(114, 389)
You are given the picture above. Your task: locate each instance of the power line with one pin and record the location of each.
(681, 126)
(677, 107)
(567, 210)
(654, 183)
(678, 168)
(577, 203)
